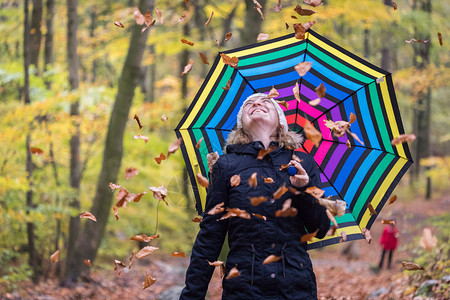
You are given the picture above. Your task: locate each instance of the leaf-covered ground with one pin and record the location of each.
(340, 274)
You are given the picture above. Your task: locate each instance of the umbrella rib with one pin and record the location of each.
(243, 77)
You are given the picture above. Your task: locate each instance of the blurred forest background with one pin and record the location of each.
(72, 78)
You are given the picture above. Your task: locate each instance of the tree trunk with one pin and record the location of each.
(48, 45)
(93, 26)
(92, 233)
(252, 23)
(36, 34)
(150, 77)
(227, 24)
(75, 165)
(366, 43)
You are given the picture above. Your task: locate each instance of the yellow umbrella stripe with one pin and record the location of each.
(262, 48)
(354, 229)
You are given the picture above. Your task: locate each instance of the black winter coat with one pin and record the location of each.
(251, 241)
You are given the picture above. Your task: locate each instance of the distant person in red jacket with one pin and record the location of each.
(389, 241)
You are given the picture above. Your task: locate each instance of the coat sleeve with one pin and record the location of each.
(313, 214)
(210, 238)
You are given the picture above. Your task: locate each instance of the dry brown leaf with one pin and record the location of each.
(144, 238)
(217, 209)
(428, 241)
(270, 259)
(392, 199)
(54, 257)
(88, 262)
(255, 201)
(372, 211)
(315, 192)
(257, 4)
(367, 235)
(131, 259)
(146, 251)
(300, 31)
(227, 87)
(134, 197)
(149, 281)
(440, 38)
(260, 216)
(239, 213)
(253, 181)
(262, 37)
(159, 16)
(352, 118)
(116, 212)
(279, 6)
(410, 266)
(349, 145)
(228, 36)
(389, 222)
(413, 40)
(130, 172)
(197, 219)
(273, 93)
(287, 26)
(296, 158)
(188, 67)
(178, 254)
(304, 12)
(88, 215)
(210, 18)
(296, 91)
(216, 263)
(303, 68)
(267, 180)
(148, 18)
(321, 91)
(234, 272)
(199, 142)
(231, 61)
(312, 134)
(264, 152)
(174, 146)
(313, 3)
(332, 230)
(283, 103)
(202, 180)
(309, 236)
(36, 151)
(403, 138)
(343, 237)
(203, 57)
(280, 192)
(164, 118)
(184, 41)
(159, 158)
(235, 180)
(159, 193)
(212, 158)
(118, 24)
(138, 121)
(395, 5)
(339, 128)
(331, 217)
(183, 17)
(286, 210)
(309, 24)
(118, 266)
(142, 137)
(260, 12)
(336, 207)
(294, 17)
(114, 186)
(121, 198)
(139, 17)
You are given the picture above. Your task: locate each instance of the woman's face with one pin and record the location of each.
(259, 111)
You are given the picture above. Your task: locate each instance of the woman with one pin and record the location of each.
(261, 124)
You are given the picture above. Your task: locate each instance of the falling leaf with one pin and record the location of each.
(143, 29)
(138, 121)
(116, 212)
(134, 197)
(428, 241)
(212, 158)
(148, 18)
(294, 17)
(252, 181)
(88, 215)
(304, 12)
(321, 91)
(121, 197)
(262, 37)
(216, 263)
(139, 17)
(210, 18)
(149, 281)
(234, 272)
(228, 36)
(336, 207)
(367, 235)
(270, 259)
(231, 61)
(273, 93)
(309, 236)
(413, 40)
(159, 193)
(159, 16)
(182, 18)
(287, 26)
(331, 217)
(379, 80)
(372, 211)
(146, 251)
(308, 24)
(280, 192)
(296, 158)
(88, 262)
(164, 118)
(343, 237)
(260, 216)
(279, 6)
(313, 3)
(118, 266)
(294, 191)
(410, 266)
(296, 91)
(260, 12)
(440, 38)
(142, 137)
(36, 151)
(315, 192)
(131, 259)
(235, 180)
(118, 24)
(257, 4)
(312, 134)
(199, 142)
(160, 158)
(352, 118)
(197, 219)
(403, 138)
(131, 172)
(389, 222)
(349, 145)
(204, 59)
(284, 166)
(178, 254)
(188, 67)
(332, 230)
(300, 31)
(54, 257)
(255, 201)
(184, 41)
(303, 68)
(315, 102)
(286, 210)
(202, 180)
(283, 103)
(268, 179)
(113, 186)
(395, 5)
(235, 212)
(392, 199)
(264, 152)
(144, 238)
(174, 146)
(339, 128)
(217, 209)
(227, 87)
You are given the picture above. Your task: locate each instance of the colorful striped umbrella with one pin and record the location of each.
(359, 175)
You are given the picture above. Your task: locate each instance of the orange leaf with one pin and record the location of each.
(134, 197)
(216, 263)
(402, 138)
(204, 59)
(332, 230)
(315, 191)
(184, 41)
(159, 193)
(372, 211)
(159, 16)
(264, 152)
(285, 166)
(116, 212)
(303, 68)
(228, 36)
(160, 158)
(320, 91)
(315, 102)
(178, 254)
(273, 93)
(145, 251)
(296, 91)
(280, 192)
(349, 145)
(255, 201)
(270, 259)
(130, 172)
(138, 121)
(188, 67)
(235, 180)
(440, 38)
(283, 103)
(231, 61)
(144, 238)
(286, 210)
(227, 87)
(148, 18)
(392, 199)
(331, 217)
(210, 18)
(174, 147)
(395, 5)
(202, 180)
(118, 24)
(142, 137)
(88, 262)
(308, 237)
(88, 215)
(253, 181)
(199, 142)
(389, 222)
(54, 257)
(260, 216)
(234, 272)
(352, 118)
(279, 6)
(118, 266)
(268, 179)
(308, 24)
(36, 151)
(149, 281)
(217, 209)
(197, 219)
(300, 31)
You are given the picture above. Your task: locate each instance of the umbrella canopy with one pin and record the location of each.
(364, 173)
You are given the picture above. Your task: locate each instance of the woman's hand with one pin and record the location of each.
(301, 178)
